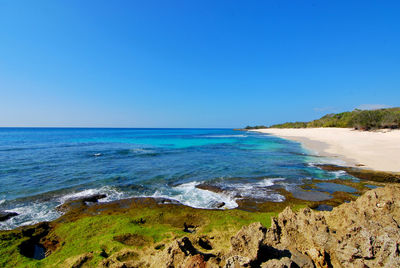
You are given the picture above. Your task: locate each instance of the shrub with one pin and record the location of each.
(358, 119)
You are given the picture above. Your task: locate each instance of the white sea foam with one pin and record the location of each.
(186, 194)
(339, 173)
(111, 193)
(30, 214)
(259, 190)
(326, 160)
(45, 211)
(268, 182)
(311, 164)
(2, 201)
(189, 195)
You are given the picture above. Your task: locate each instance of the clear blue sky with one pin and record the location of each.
(194, 63)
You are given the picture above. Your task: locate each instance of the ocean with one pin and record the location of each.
(40, 168)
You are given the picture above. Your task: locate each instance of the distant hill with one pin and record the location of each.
(358, 119)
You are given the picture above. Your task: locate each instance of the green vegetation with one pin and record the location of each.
(255, 127)
(358, 119)
(141, 228)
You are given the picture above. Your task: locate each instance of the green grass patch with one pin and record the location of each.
(136, 228)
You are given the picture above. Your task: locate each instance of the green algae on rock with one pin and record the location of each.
(96, 234)
(137, 232)
(365, 174)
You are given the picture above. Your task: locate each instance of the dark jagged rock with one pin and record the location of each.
(210, 187)
(189, 228)
(363, 233)
(284, 262)
(123, 258)
(220, 204)
(78, 261)
(196, 261)
(40, 243)
(247, 243)
(182, 253)
(165, 201)
(80, 202)
(4, 215)
(93, 198)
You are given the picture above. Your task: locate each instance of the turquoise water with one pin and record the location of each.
(41, 168)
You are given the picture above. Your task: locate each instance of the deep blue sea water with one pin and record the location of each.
(41, 168)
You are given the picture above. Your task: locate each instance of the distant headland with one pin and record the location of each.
(388, 118)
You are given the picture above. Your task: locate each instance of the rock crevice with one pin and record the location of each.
(363, 233)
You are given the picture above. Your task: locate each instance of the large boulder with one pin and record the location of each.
(79, 202)
(284, 262)
(182, 253)
(247, 244)
(4, 215)
(363, 233)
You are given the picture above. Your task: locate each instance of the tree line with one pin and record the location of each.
(357, 119)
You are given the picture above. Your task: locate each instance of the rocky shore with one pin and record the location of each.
(146, 232)
(363, 233)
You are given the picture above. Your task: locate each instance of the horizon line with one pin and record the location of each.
(2, 127)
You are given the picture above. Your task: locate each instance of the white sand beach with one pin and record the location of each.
(378, 150)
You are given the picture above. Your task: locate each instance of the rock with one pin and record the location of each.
(126, 255)
(196, 261)
(165, 201)
(181, 253)
(220, 204)
(122, 259)
(188, 228)
(301, 260)
(366, 174)
(247, 242)
(82, 259)
(39, 242)
(363, 233)
(80, 202)
(236, 262)
(78, 261)
(175, 254)
(285, 262)
(4, 215)
(93, 198)
(210, 187)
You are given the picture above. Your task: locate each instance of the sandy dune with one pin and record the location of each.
(378, 150)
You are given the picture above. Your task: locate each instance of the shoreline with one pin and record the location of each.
(373, 150)
(141, 231)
